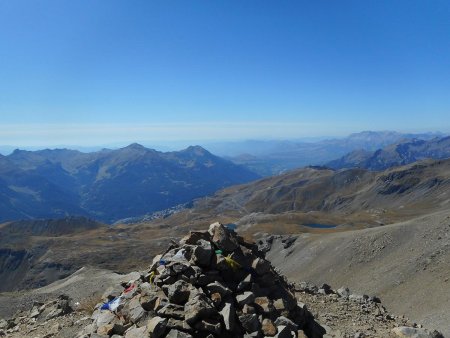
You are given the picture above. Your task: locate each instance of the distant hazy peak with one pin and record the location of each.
(196, 150)
(135, 146)
(18, 151)
(391, 133)
(58, 150)
(442, 139)
(403, 152)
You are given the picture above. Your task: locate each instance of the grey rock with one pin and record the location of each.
(178, 292)
(136, 332)
(285, 332)
(283, 321)
(288, 241)
(178, 268)
(97, 335)
(199, 307)
(172, 310)
(156, 327)
(249, 309)
(147, 288)
(250, 322)
(252, 335)
(104, 318)
(148, 299)
(33, 314)
(54, 329)
(221, 263)
(265, 244)
(301, 334)
(219, 288)
(202, 253)
(246, 298)
(222, 238)
(89, 329)
(194, 236)
(325, 289)
(306, 287)
(411, 332)
(210, 325)
(228, 315)
(56, 308)
(261, 266)
(178, 334)
(268, 328)
(208, 278)
(358, 298)
(343, 292)
(160, 303)
(134, 311)
(279, 304)
(177, 324)
(268, 280)
(264, 305)
(259, 291)
(245, 283)
(105, 330)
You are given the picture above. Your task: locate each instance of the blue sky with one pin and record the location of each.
(91, 72)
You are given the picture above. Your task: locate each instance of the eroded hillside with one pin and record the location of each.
(350, 198)
(406, 264)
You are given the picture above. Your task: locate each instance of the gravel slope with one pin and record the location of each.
(406, 264)
(84, 284)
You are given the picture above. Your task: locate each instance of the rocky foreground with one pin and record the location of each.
(213, 284)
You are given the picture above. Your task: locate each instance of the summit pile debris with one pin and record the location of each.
(211, 284)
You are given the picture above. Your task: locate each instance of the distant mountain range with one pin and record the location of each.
(134, 182)
(405, 152)
(109, 184)
(274, 157)
(36, 252)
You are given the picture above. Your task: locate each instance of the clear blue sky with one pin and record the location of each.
(94, 72)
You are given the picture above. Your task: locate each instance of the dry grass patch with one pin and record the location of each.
(88, 305)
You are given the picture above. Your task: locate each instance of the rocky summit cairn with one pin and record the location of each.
(211, 284)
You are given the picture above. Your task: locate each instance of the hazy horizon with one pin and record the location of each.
(98, 73)
(174, 145)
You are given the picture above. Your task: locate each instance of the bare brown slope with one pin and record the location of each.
(355, 197)
(407, 264)
(33, 256)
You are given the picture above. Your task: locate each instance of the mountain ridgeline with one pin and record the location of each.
(401, 153)
(269, 158)
(356, 197)
(109, 184)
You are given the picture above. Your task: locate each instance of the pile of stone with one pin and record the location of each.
(211, 284)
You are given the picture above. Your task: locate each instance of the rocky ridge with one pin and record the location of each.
(213, 284)
(344, 314)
